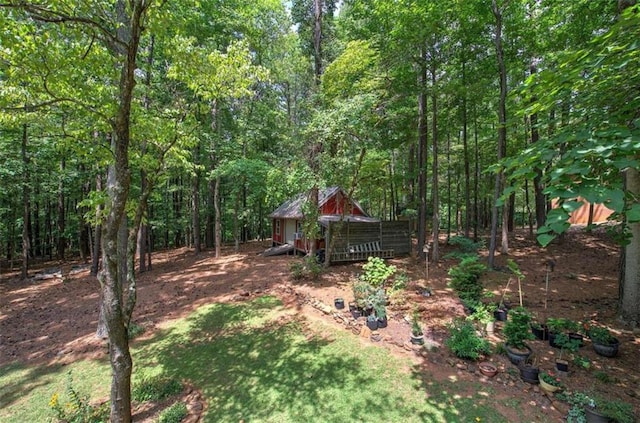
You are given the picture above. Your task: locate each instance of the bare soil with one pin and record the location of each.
(54, 320)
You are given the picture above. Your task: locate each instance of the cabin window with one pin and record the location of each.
(277, 226)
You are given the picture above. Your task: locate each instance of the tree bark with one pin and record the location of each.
(317, 39)
(630, 273)
(61, 212)
(422, 158)
(435, 250)
(502, 143)
(218, 218)
(26, 209)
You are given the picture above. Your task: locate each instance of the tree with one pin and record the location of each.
(597, 148)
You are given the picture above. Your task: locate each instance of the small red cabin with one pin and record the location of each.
(334, 204)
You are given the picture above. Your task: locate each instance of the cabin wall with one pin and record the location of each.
(392, 235)
(339, 204)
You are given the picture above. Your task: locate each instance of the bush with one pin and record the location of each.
(308, 268)
(77, 409)
(466, 247)
(174, 414)
(135, 330)
(155, 388)
(517, 328)
(465, 342)
(377, 272)
(465, 279)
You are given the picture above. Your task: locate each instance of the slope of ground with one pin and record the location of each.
(54, 320)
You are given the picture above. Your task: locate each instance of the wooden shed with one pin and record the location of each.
(348, 233)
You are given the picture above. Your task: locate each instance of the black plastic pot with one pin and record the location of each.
(529, 374)
(500, 314)
(417, 339)
(372, 323)
(541, 332)
(562, 365)
(517, 357)
(594, 417)
(382, 323)
(552, 340)
(577, 337)
(607, 350)
(339, 303)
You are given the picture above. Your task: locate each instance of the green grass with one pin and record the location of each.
(25, 392)
(257, 363)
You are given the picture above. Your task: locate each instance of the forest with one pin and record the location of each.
(131, 127)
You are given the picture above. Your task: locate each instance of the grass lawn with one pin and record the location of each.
(258, 363)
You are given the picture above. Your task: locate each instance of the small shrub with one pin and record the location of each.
(465, 244)
(464, 342)
(308, 268)
(135, 330)
(377, 272)
(174, 414)
(604, 377)
(77, 409)
(517, 329)
(361, 292)
(465, 278)
(155, 388)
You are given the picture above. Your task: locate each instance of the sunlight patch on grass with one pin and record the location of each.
(25, 391)
(257, 363)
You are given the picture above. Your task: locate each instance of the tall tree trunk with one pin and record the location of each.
(26, 209)
(37, 235)
(539, 197)
(476, 177)
(630, 272)
(317, 39)
(61, 212)
(502, 143)
(95, 259)
(195, 207)
(209, 225)
(422, 157)
(435, 251)
(218, 219)
(465, 152)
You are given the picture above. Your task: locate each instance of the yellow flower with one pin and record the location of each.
(478, 419)
(53, 402)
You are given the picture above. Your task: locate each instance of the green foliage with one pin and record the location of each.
(483, 313)
(618, 411)
(307, 268)
(174, 414)
(562, 324)
(600, 335)
(77, 409)
(377, 272)
(466, 245)
(582, 362)
(465, 278)
(517, 328)
(464, 341)
(155, 388)
(566, 343)
(416, 327)
(134, 330)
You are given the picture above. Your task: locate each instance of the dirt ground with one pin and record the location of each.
(54, 320)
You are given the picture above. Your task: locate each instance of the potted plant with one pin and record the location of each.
(464, 342)
(599, 410)
(488, 369)
(566, 344)
(516, 331)
(563, 325)
(372, 322)
(529, 371)
(604, 343)
(417, 336)
(549, 382)
(381, 315)
(540, 330)
(483, 314)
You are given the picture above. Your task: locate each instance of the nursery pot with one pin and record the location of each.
(607, 350)
(352, 307)
(552, 340)
(488, 369)
(547, 387)
(417, 339)
(529, 373)
(382, 323)
(490, 328)
(578, 337)
(500, 314)
(541, 333)
(562, 365)
(594, 417)
(339, 303)
(517, 356)
(372, 323)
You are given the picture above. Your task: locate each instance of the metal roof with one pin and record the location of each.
(292, 208)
